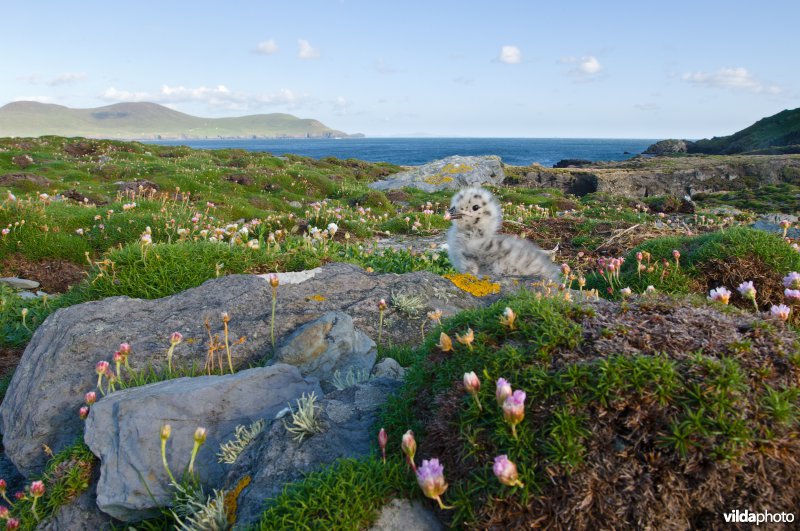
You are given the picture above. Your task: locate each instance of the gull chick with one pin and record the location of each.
(475, 245)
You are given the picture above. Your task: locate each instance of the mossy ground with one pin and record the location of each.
(673, 394)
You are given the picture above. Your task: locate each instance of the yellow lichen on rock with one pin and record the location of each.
(437, 179)
(232, 497)
(479, 287)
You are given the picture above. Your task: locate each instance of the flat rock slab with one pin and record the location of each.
(274, 458)
(19, 283)
(451, 173)
(57, 368)
(403, 515)
(123, 431)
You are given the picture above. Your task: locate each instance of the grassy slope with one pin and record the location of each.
(146, 120)
(782, 129)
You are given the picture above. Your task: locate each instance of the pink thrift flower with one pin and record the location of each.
(125, 348)
(747, 290)
(514, 410)
(409, 447)
(792, 280)
(101, 368)
(503, 391)
(3, 512)
(12, 523)
(37, 489)
(83, 412)
(471, 382)
(792, 294)
(90, 397)
(506, 471)
(781, 311)
(382, 440)
(175, 338)
(720, 294)
(430, 478)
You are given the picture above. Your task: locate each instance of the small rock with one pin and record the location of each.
(27, 295)
(402, 515)
(388, 368)
(326, 345)
(23, 161)
(19, 283)
(295, 204)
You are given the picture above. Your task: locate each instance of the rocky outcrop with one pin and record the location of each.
(669, 176)
(123, 431)
(667, 147)
(451, 173)
(276, 458)
(772, 223)
(572, 163)
(57, 367)
(327, 346)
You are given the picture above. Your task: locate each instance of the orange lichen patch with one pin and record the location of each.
(479, 287)
(316, 298)
(232, 497)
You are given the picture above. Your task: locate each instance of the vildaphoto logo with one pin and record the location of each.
(748, 517)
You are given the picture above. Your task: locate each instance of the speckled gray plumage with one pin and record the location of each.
(476, 246)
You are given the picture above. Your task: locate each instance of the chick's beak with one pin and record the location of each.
(453, 213)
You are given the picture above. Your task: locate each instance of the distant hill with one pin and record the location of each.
(774, 135)
(149, 121)
(779, 133)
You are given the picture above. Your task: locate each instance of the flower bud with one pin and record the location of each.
(200, 435)
(175, 338)
(166, 431)
(83, 412)
(506, 471)
(90, 397)
(503, 391)
(382, 306)
(101, 367)
(273, 280)
(471, 383)
(37, 489)
(409, 445)
(12, 523)
(514, 408)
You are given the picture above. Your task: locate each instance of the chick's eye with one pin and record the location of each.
(475, 207)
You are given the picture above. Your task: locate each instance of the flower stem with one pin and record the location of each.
(272, 323)
(228, 348)
(442, 506)
(194, 455)
(164, 459)
(380, 328)
(514, 431)
(477, 401)
(33, 508)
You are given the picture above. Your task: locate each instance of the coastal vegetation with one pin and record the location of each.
(652, 378)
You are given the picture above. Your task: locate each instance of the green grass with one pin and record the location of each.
(66, 476)
(345, 495)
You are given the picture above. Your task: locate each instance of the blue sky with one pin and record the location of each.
(641, 69)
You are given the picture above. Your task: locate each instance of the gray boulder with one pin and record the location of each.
(401, 515)
(388, 368)
(326, 345)
(275, 458)
(450, 173)
(57, 368)
(772, 223)
(123, 431)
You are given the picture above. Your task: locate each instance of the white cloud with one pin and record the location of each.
(67, 77)
(267, 47)
(731, 78)
(510, 55)
(114, 95)
(585, 67)
(219, 97)
(306, 50)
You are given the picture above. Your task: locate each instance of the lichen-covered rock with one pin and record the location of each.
(275, 458)
(388, 368)
(450, 173)
(326, 345)
(123, 431)
(57, 368)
